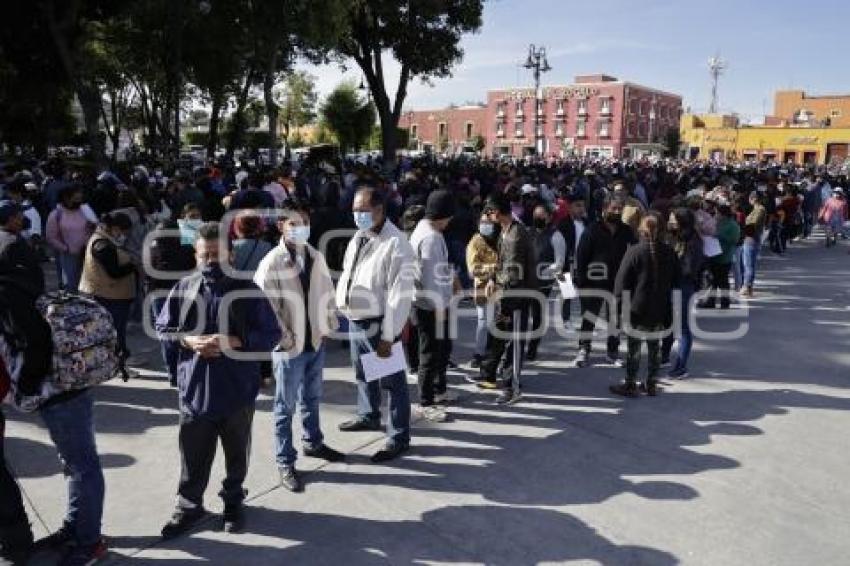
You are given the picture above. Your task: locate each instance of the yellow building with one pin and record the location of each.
(723, 138)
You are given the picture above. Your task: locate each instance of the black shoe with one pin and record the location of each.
(85, 555)
(389, 452)
(625, 389)
(63, 537)
(451, 364)
(508, 397)
(356, 425)
(531, 355)
(182, 521)
(476, 361)
(581, 359)
(290, 479)
(705, 305)
(652, 388)
(233, 518)
(325, 452)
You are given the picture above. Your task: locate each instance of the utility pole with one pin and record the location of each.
(538, 63)
(716, 67)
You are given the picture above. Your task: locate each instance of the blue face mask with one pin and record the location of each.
(298, 234)
(189, 230)
(363, 220)
(487, 229)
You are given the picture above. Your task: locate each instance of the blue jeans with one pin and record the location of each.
(482, 330)
(299, 379)
(749, 259)
(71, 427)
(369, 394)
(738, 267)
(71, 267)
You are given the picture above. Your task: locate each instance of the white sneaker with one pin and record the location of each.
(432, 413)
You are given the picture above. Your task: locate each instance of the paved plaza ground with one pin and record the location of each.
(746, 462)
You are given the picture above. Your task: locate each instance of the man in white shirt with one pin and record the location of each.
(432, 296)
(572, 228)
(296, 279)
(375, 293)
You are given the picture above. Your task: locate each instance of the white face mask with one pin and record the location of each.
(298, 234)
(486, 229)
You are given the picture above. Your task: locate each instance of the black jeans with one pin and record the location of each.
(536, 317)
(719, 284)
(433, 354)
(15, 529)
(653, 350)
(499, 347)
(592, 307)
(198, 441)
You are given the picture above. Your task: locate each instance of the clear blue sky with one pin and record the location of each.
(769, 45)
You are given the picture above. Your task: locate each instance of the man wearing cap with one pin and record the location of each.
(18, 261)
(431, 298)
(375, 293)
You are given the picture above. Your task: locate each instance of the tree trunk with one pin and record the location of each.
(272, 109)
(91, 104)
(238, 128)
(215, 119)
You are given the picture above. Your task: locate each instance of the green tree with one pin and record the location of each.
(422, 35)
(296, 97)
(348, 116)
(479, 142)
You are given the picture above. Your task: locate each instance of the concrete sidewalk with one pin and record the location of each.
(744, 463)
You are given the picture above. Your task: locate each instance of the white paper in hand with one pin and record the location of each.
(711, 246)
(568, 290)
(375, 367)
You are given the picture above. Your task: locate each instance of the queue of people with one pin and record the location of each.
(250, 274)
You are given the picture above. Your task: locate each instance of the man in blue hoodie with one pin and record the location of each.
(217, 334)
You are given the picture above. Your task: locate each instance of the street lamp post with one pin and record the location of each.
(538, 63)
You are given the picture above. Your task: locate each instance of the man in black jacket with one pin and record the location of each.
(598, 258)
(515, 272)
(18, 261)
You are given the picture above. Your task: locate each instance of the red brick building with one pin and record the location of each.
(597, 116)
(444, 131)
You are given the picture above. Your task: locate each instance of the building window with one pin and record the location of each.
(582, 107)
(633, 107)
(500, 130)
(605, 105)
(642, 129)
(469, 130)
(443, 131)
(519, 133)
(500, 109)
(630, 130)
(835, 113)
(414, 131)
(644, 108)
(559, 129)
(519, 108)
(603, 128)
(581, 128)
(560, 108)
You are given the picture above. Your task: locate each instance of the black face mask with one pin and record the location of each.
(74, 205)
(540, 223)
(612, 217)
(212, 272)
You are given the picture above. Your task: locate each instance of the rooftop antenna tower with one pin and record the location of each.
(716, 66)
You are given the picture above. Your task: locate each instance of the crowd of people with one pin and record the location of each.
(246, 275)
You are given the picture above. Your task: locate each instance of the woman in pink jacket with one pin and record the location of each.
(833, 215)
(69, 227)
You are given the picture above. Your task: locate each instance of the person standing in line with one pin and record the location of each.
(67, 231)
(375, 293)
(432, 297)
(297, 281)
(572, 228)
(728, 233)
(754, 225)
(217, 390)
(687, 243)
(833, 215)
(598, 258)
(515, 273)
(647, 276)
(109, 276)
(482, 258)
(550, 251)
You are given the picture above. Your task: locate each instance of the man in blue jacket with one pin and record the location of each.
(217, 339)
